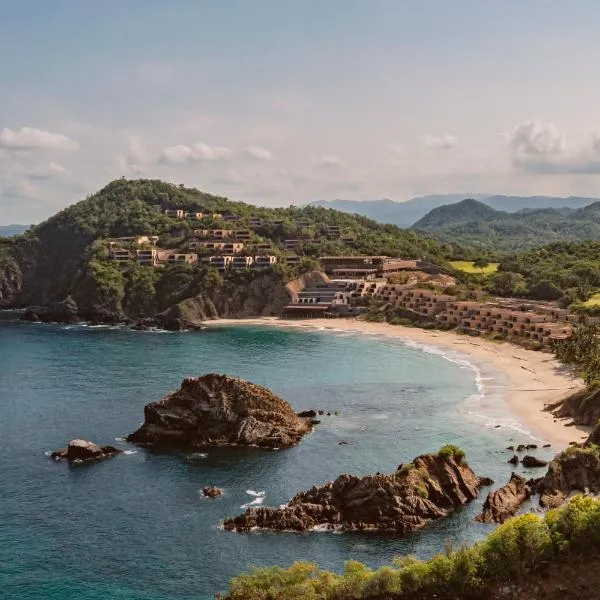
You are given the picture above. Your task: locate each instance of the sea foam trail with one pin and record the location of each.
(259, 498)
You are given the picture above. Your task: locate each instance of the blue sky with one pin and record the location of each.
(279, 101)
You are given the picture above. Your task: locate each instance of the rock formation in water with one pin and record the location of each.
(532, 462)
(215, 410)
(212, 491)
(504, 502)
(83, 451)
(415, 495)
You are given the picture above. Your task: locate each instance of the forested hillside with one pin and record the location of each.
(64, 257)
(477, 224)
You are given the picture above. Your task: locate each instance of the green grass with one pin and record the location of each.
(467, 267)
(593, 301)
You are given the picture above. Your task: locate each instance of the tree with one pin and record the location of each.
(507, 284)
(480, 263)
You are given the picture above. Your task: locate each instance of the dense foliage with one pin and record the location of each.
(518, 547)
(583, 350)
(473, 223)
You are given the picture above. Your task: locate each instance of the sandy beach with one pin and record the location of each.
(534, 378)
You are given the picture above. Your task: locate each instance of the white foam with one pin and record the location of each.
(119, 439)
(130, 452)
(256, 494)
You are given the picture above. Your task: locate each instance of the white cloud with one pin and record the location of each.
(30, 138)
(135, 156)
(539, 147)
(330, 161)
(440, 142)
(56, 167)
(181, 154)
(257, 153)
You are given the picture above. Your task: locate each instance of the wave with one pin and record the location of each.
(256, 494)
(259, 498)
(130, 452)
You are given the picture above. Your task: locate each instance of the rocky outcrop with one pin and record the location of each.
(415, 495)
(212, 492)
(582, 406)
(187, 314)
(79, 451)
(532, 462)
(220, 410)
(577, 469)
(504, 502)
(56, 312)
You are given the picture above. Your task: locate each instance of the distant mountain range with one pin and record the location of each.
(485, 227)
(10, 230)
(406, 214)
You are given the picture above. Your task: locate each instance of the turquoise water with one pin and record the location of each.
(135, 527)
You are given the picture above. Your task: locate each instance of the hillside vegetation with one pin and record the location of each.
(64, 257)
(513, 555)
(479, 225)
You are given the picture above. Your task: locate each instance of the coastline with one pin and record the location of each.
(534, 379)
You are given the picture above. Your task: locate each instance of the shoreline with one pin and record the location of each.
(534, 379)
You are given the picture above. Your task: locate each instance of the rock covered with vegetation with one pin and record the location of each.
(79, 451)
(503, 503)
(216, 410)
(583, 406)
(526, 558)
(418, 493)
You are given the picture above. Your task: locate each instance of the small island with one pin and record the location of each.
(218, 410)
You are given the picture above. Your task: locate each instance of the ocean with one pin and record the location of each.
(135, 527)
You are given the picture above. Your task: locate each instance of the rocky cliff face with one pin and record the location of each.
(583, 407)
(220, 410)
(409, 499)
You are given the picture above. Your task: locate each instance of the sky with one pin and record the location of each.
(279, 102)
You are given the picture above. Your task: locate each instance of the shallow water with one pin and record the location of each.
(136, 528)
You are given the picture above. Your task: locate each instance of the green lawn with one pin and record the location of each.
(467, 267)
(593, 301)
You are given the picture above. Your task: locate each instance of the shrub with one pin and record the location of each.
(449, 450)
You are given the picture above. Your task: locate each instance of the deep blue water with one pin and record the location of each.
(135, 527)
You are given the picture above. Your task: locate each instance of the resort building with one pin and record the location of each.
(362, 266)
(194, 216)
(333, 232)
(147, 257)
(241, 262)
(474, 317)
(292, 260)
(120, 255)
(221, 263)
(175, 213)
(326, 299)
(292, 244)
(263, 247)
(254, 222)
(264, 262)
(231, 218)
(223, 247)
(181, 258)
(136, 239)
(242, 234)
(216, 234)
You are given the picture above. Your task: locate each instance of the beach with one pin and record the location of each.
(534, 379)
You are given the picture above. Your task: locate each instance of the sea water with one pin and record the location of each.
(135, 527)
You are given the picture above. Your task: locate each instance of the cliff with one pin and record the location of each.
(216, 410)
(426, 490)
(583, 407)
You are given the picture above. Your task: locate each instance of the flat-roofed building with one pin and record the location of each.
(292, 260)
(221, 263)
(175, 213)
(255, 221)
(147, 257)
(241, 262)
(242, 234)
(232, 218)
(188, 258)
(264, 262)
(216, 234)
(194, 216)
(120, 255)
(291, 244)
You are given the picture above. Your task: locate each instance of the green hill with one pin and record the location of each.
(65, 257)
(497, 231)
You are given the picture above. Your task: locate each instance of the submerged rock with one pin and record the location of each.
(212, 491)
(217, 410)
(423, 491)
(84, 451)
(533, 462)
(514, 460)
(503, 503)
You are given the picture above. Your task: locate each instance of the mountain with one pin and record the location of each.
(479, 225)
(11, 230)
(405, 214)
(65, 262)
(461, 212)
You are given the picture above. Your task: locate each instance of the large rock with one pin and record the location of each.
(577, 469)
(583, 407)
(503, 503)
(220, 410)
(84, 451)
(532, 462)
(409, 499)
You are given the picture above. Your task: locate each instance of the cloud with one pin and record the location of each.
(440, 142)
(181, 154)
(135, 156)
(539, 147)
(330, 161)
(257, 153)
(397, 149)
(30, 138)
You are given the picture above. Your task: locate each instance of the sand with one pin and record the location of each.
(534, 379)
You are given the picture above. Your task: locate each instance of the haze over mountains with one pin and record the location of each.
(10, 230)
(406, 214)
